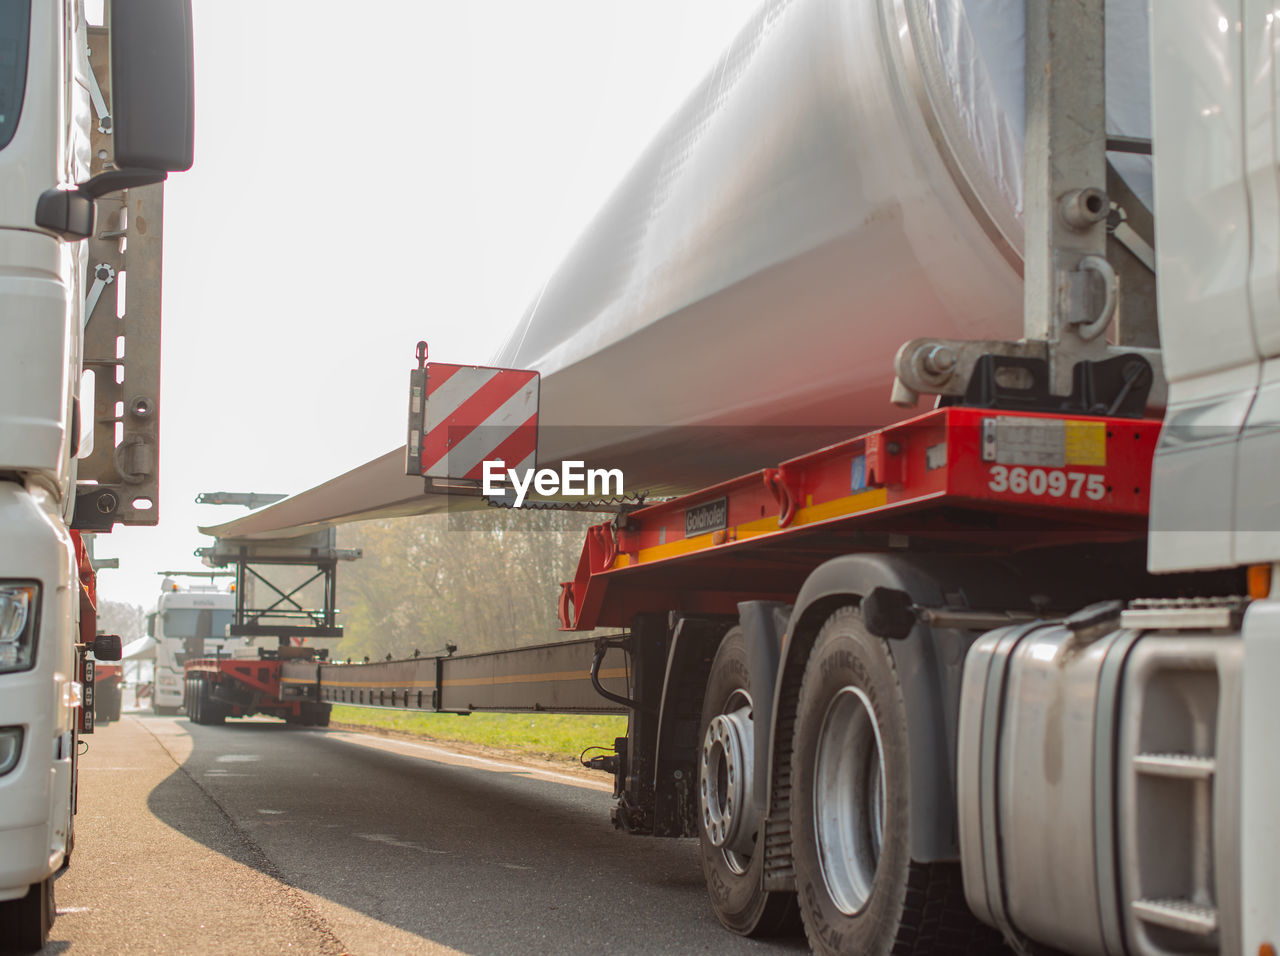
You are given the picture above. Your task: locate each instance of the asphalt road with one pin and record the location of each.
(261, 838)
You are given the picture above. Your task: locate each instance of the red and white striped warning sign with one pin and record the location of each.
(475, 414)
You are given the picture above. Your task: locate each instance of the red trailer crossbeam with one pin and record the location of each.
(262, 677)
(237, 687)
(951, 479)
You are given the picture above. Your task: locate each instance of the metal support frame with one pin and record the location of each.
(248, 621)
(1065, 199)
(120, 478)
(634, 783)
(1071, 290)
(285, 617)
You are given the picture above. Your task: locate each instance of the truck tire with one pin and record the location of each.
(25, 923)
(859, 890)
(207, 710)
(733, 876)
(191, 701)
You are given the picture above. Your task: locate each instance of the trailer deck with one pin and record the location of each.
(960, 479)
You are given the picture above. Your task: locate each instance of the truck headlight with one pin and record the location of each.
(10, 748)
(19, 604)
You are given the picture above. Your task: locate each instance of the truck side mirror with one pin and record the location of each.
(66, 212)
(107, 647)
(151, 624)
(152, 111)
(152, 85)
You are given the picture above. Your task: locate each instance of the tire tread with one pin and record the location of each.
(936, 918)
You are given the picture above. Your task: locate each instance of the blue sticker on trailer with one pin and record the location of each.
(858, 474)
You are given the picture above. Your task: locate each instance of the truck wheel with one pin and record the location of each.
(25, 923)
(859, 890)
(209, 710)
(728, 820)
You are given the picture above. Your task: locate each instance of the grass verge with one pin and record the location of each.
(553, 735)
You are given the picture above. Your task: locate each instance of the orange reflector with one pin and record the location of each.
(1259, 580)
(1266, 949)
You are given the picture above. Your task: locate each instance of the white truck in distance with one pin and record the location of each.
(190, 621)
(85, 112)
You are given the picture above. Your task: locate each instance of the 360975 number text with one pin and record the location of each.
(1046, 482)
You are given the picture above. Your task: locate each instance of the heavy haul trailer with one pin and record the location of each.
(836, 613)
(247, 680)
(295, 681)
(922, 687)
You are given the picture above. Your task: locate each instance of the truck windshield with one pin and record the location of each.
(196, 621)
(15, 23)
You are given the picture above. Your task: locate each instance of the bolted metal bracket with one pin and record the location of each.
(945, 366)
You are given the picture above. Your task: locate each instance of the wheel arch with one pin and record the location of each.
(929, 663)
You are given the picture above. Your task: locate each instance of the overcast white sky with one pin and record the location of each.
(368, 175)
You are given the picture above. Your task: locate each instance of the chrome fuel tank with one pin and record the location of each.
(1097, 782)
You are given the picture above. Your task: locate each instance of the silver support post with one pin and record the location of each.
(120, 477)
(1070, 289)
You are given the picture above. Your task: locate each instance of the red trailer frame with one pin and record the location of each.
(965, 479)
(221, 687)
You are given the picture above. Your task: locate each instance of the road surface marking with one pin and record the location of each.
(443, 754)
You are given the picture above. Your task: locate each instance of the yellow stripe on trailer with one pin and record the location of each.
(809, 514)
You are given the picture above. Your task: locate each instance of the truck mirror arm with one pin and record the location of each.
(70, 212)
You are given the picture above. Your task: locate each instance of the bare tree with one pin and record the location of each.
(481, 580)
(117, 617)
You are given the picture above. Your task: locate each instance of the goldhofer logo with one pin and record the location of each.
(704, 518)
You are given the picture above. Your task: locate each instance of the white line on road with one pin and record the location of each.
(434, 752)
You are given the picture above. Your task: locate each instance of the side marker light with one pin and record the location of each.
(1259, 581)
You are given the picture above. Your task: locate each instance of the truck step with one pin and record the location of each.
(1184, 613)
(1181, 915)
(1183, 766)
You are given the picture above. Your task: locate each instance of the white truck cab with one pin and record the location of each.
(51, 173)
(190, 621)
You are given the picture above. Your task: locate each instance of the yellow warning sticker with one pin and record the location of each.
(1086, 443)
